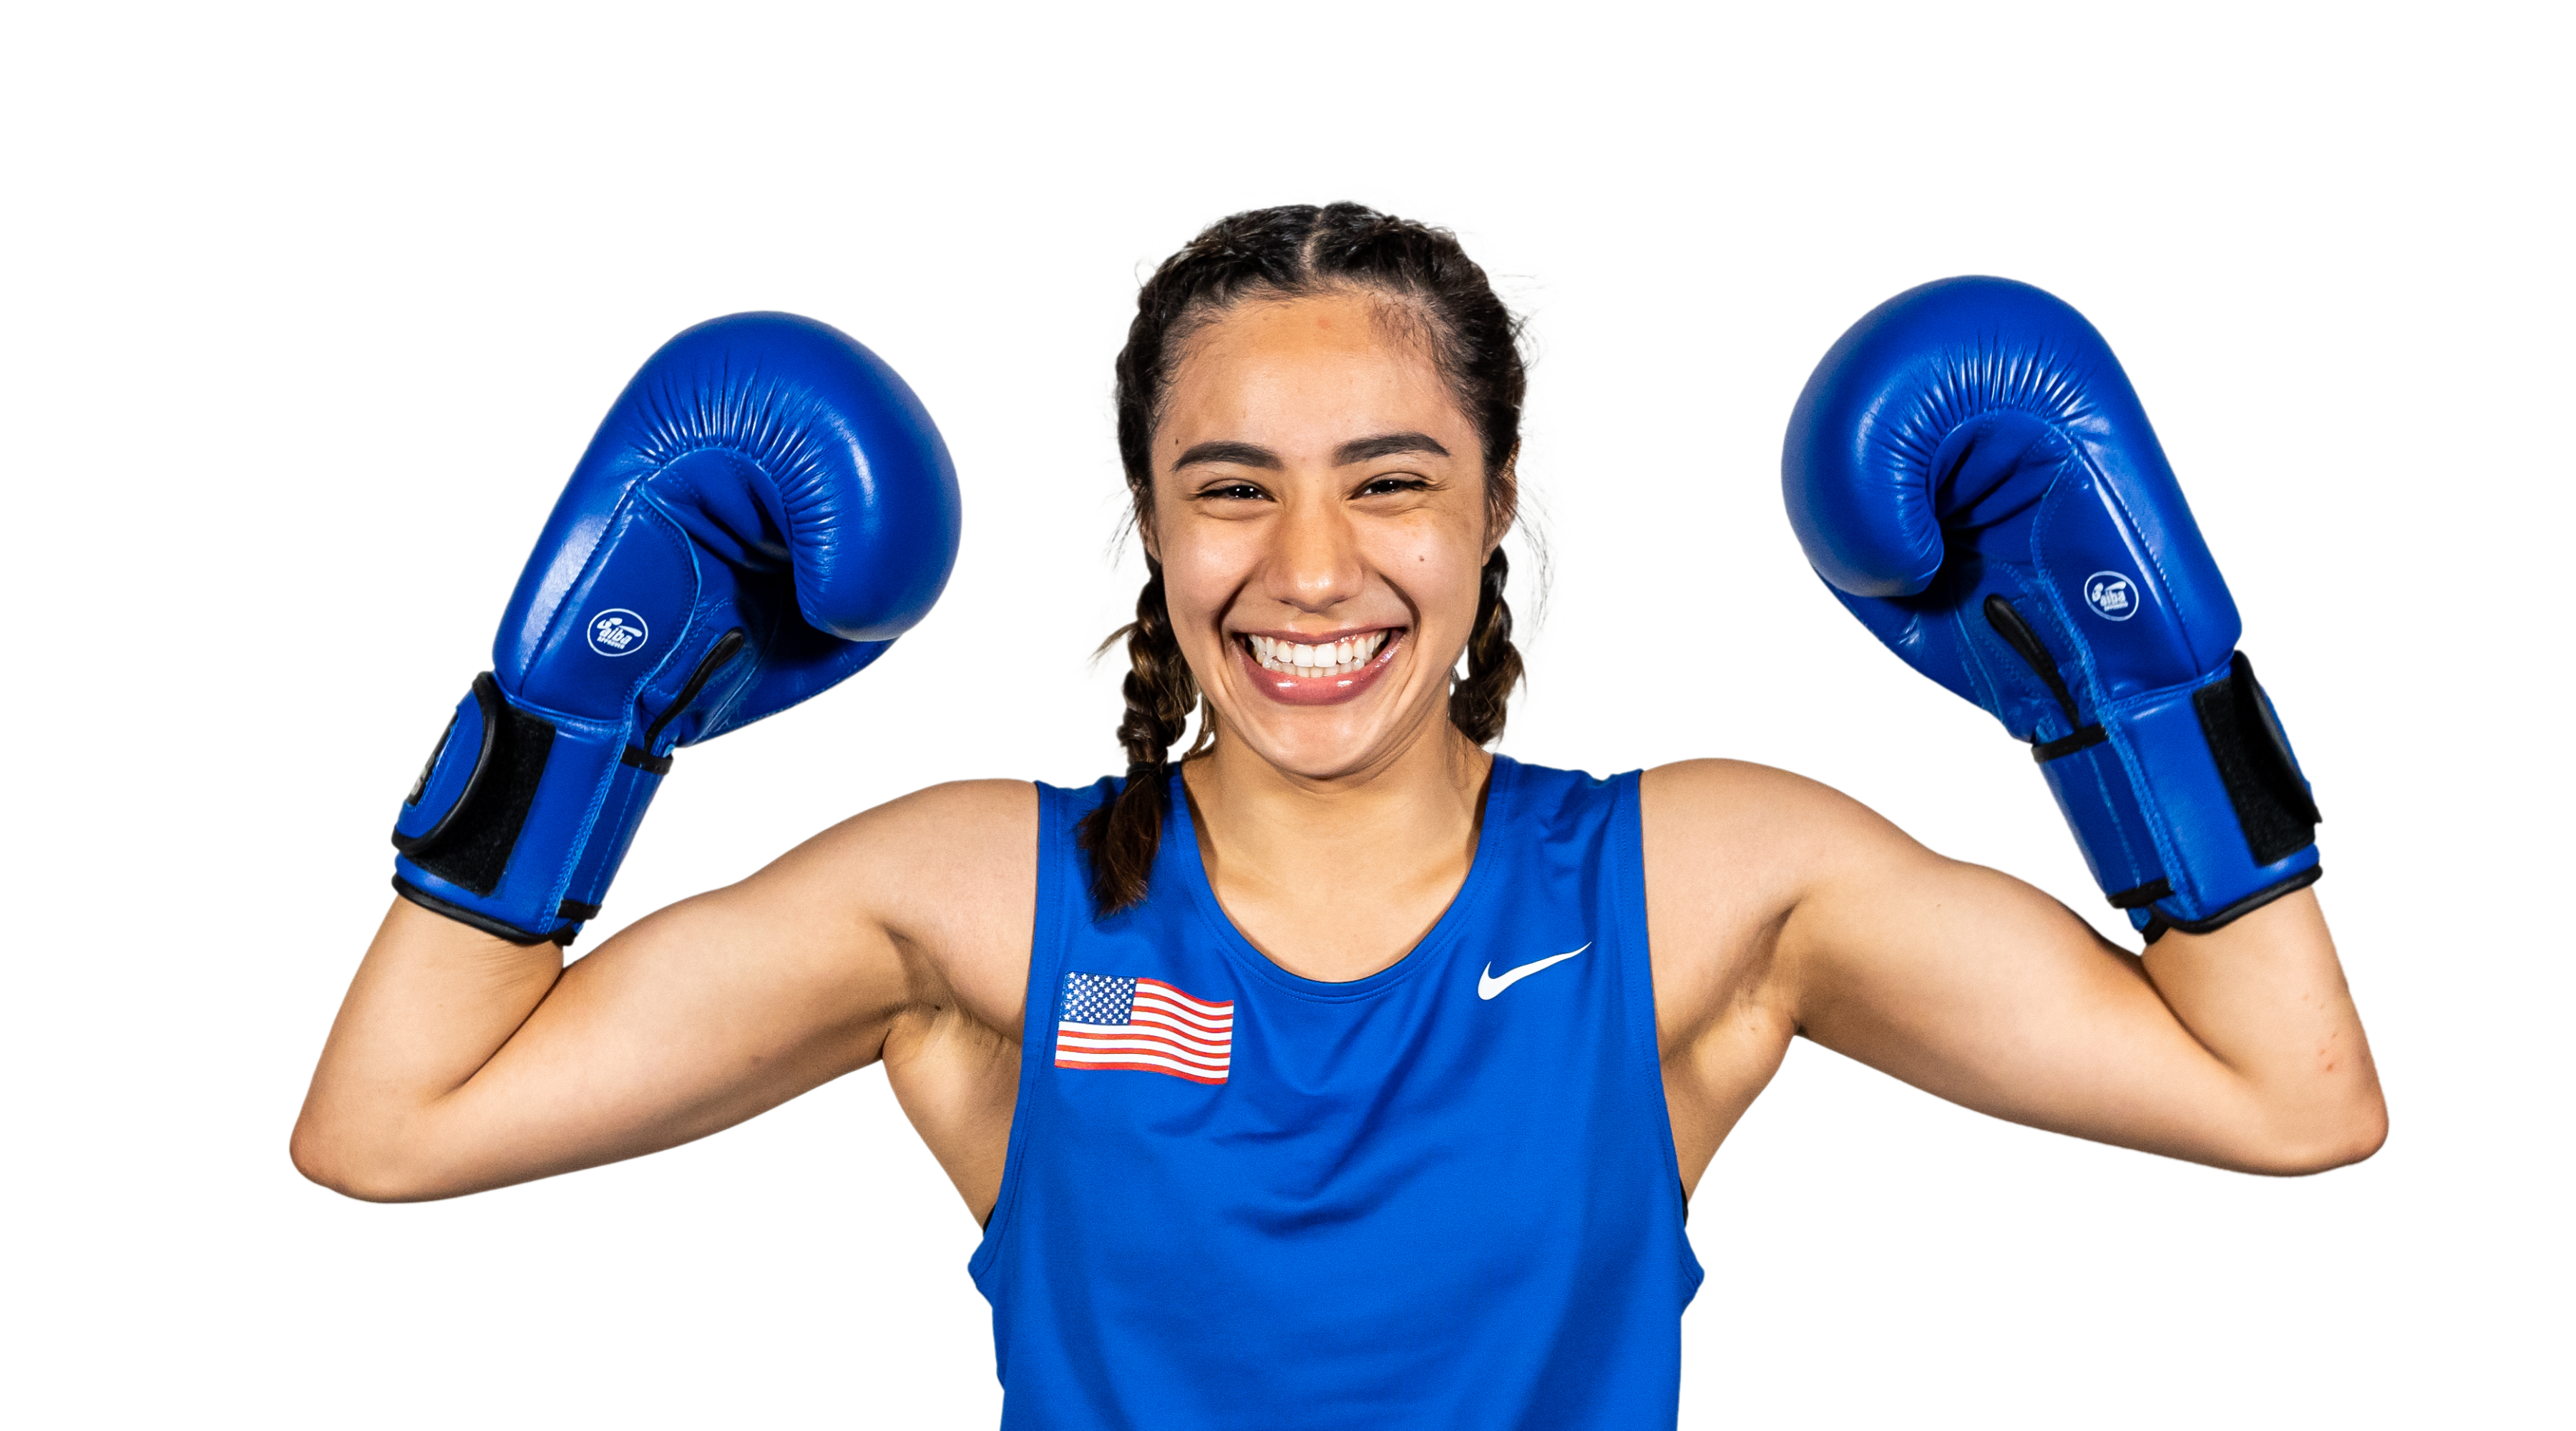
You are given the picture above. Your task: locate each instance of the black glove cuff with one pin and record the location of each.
(2158, 921)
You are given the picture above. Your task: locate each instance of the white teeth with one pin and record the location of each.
(1332, 658)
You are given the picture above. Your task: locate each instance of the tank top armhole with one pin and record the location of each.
(1058, 885)
(1627, 897)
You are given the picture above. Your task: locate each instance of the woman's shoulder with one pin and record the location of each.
(973, 808)
(949, 871)
(964, 840)
(1717, 780)
(1747, 814)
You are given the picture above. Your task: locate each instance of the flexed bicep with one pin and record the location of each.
(1783, 907)
(1970, 984)
(462, 1062)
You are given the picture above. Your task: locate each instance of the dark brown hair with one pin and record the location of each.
(1289, 252)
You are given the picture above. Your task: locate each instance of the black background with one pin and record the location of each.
(452, 343)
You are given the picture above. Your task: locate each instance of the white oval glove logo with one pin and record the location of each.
(2112, 596)
(618, 632)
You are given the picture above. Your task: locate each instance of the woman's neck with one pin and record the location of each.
(1335, 880)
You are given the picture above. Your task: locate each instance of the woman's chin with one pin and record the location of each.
(1330, 740)
(1331, 723)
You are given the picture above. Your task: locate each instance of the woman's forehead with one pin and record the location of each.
(1350, 318)
(1300, 371)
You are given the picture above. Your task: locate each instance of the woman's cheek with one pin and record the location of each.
(1197, 587)
(1199, 595)
(1431, 574)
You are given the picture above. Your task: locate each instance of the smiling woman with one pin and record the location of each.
(1345, 1073)
(1320, 297)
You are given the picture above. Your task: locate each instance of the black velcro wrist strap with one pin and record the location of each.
(2272, 802)
(470, 846)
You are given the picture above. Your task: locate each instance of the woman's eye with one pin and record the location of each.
(1385, 486)
(1235, 492)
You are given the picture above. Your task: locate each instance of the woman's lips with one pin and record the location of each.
(1319, 690)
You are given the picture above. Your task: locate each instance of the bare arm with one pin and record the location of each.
(2240, 1048)
(460, 1062)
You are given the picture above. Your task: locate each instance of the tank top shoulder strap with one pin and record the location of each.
(1062, 902)
(1064, 875)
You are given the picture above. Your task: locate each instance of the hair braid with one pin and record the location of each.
(1123, 834)
(1477, 705)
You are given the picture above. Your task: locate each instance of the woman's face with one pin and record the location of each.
(1319, 510)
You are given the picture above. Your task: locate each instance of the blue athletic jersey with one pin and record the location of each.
(1444, 1195)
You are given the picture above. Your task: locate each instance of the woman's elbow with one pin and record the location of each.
(2323, 1144)
(352, 1169)
(2365, 1133)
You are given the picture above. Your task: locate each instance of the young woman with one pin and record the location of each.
(1341, 1073)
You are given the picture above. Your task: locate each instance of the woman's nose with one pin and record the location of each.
(1316, 562)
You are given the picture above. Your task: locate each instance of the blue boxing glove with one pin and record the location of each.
(1971, 474)
(764, 510)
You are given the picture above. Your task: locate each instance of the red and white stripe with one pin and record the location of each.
(1167, 1032)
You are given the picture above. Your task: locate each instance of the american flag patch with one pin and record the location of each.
(1145, 1025)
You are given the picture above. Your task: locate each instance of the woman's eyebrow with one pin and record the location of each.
(1369, 449)
(1241, 454)
(1358, 449)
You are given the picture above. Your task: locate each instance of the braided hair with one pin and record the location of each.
(1288, 252)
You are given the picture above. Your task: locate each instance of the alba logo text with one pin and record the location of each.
(2112, 596)
(618, 632)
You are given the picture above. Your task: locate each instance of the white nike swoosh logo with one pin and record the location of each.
(1488, 985)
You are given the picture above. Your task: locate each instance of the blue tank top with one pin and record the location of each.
(1444, 1195)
